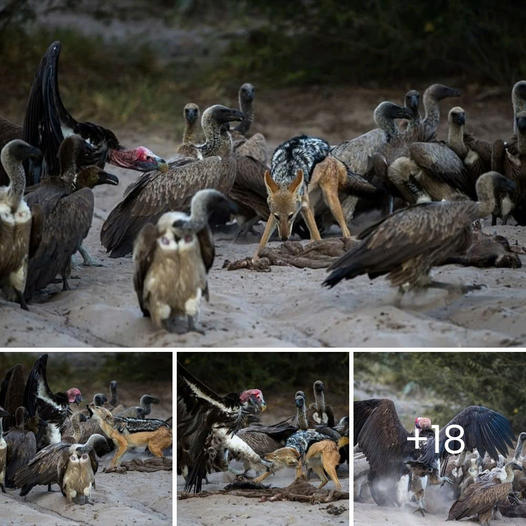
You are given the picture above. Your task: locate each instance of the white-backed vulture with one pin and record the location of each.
(188, 147)
(49, 465)
(3, 454)
(156, 193)
(481, 498)
(355, 153)
(319, 412)
(406, 244)
(79, 478)
(511, 160)
(8, 132)
(66, 204)
(256, 145)
(16, 220)
(172, 260)
(432, 97)
(518, 100)
(140, 411)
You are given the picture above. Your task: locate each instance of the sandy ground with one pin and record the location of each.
(277, 308)
(226, 509)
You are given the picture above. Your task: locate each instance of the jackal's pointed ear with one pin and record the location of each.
(271, 185)
(298, 181)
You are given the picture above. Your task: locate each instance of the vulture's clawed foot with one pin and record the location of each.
(192, 327)
(87, 260)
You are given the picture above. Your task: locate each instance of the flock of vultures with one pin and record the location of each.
(214, 430)
(43, 442)
(475, 455)
(429, 193)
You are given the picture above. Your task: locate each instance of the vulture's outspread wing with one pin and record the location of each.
(383, 439)
(38, 395)
(484, 430)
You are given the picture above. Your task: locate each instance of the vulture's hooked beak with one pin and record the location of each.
(107, 178)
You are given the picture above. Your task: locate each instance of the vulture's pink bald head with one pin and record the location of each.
(74, 395)
(255, 396)
(422, 422)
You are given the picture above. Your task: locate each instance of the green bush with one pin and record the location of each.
(456, 379)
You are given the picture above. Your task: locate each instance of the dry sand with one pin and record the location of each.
(288, 306)
(227, 509)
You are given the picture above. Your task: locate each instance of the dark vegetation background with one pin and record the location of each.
(139, 61)
(92, 372)
(453, 379)
(278, 374)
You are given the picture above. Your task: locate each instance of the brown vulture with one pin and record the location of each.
(409, 242)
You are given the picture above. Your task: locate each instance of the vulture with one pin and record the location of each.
(140, 411)
(355, 152)
(435, 169)
(8, 132)
(16, 220)
(518, 101)
(66, 204)
(188, 147)
(50, 464)
(156, 193)
(445, 170)
(432, 97)
(21, 446)
(206, 423)
(481, 498)
(3, 454)
(510, 159)
(406, 244)
(391, 456)
(52, 408)
(319, 412)
(265, 439)
(78, 478)
(172, 260)
(12, 393)
(47, 122)
(114, 400)
(411, 102)
(255, 146)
